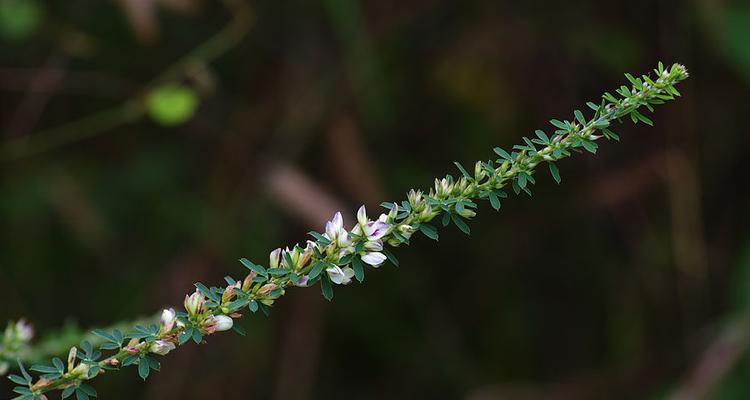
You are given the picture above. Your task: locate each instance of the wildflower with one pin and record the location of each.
(374, 258)
(336, 233)
(168, 318)
(290, 258)
(340, 276)
(217, 323)
(161, 347)
(24, 331)
(194, 303)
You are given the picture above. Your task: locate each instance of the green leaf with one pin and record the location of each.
(463, 171)
(542, 136)
(590, 146)
(579, 117)
(359, 272)
(316, 269)
(23, 371)
(185, 335)
(253, 267)
(197, 336)
(392, 258)
(558, 124)
(554, 171)
(81, 395)
(325, 288)
(208, 292)
(446, 219)
(277, 271)
(253, 306)
(643, 118)
(522, 177)
(172, 104)
(143, 369)
(429, 231)
(461, 224)
(68, 392)
(18, 380)
(502, 153)
(88, 389)
(320, 238)
(494, 201)
(45, 369)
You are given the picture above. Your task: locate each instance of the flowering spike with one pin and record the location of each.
(334, 251)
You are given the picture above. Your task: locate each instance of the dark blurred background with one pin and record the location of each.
(629, 280)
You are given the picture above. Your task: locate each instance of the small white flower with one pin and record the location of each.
(335, 226)
(340, 276)
(161, 347)
(374, 258)
(168, 317)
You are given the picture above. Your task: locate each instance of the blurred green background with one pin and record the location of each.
(629, 280)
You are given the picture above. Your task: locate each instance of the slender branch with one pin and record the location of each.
(338, 255)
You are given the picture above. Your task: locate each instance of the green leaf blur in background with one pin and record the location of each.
(19, 18)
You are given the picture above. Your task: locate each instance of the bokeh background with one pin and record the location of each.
(629, 280)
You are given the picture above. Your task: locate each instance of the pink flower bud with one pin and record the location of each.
(168, 317)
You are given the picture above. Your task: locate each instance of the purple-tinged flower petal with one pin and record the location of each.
(376, 230)
(274, 258)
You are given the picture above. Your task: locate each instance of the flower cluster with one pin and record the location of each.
(338, 255)
(13, 342)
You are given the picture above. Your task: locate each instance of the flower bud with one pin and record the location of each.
(467, 213)
(248, 281)
(266, 289)
(229, 292)
(274, 258)
(72, 358)
(426, 214)
(223, 323)
(362, 215)
(406, 230)
(161, 347)
(82, 370)
(168, 318)
(393, 213)
(194, 303)
(305, 256)
(479, 172)
(415, 198)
